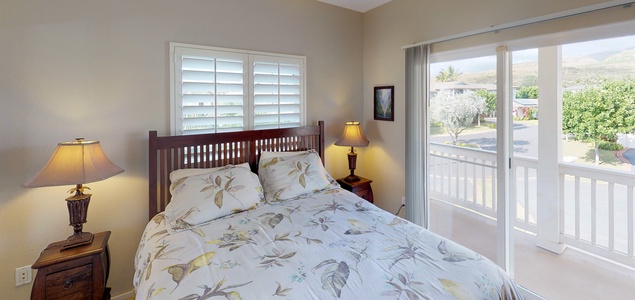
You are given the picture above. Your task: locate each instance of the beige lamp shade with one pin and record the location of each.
(73, 163)
(352, 136)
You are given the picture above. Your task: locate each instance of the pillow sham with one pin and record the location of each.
(270, 154)
(285, 177)
(180, 173)
(201, 198)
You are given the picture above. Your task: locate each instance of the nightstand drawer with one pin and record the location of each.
(76, 282)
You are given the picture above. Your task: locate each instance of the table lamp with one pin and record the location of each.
(76, 163)
(352, 137)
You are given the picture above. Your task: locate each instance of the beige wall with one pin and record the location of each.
(403, 22)
(99, 70)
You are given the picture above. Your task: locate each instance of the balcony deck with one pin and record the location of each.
(570, 275)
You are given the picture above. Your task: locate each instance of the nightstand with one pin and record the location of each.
(360, 188)
(75, 273)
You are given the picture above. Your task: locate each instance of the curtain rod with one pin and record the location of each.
(549, 17)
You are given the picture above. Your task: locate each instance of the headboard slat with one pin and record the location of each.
(169, 153)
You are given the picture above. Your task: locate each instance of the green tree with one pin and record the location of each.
(600, 113)
(527, 92)
(451, 74)
(455, 111)
(490, 100)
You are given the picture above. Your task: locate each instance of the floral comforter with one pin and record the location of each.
(329, 245)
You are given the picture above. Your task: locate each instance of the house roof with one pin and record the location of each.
(525, 102)
(459, 85)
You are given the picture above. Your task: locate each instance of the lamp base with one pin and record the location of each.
(352, 164)
(82, 238)
(351, 178)
(77, 212)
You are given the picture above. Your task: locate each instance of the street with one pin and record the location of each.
(525, 139)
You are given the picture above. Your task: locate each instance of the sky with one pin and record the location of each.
(568, 50)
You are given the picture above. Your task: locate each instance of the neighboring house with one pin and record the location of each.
(459, 87)
(523, 107)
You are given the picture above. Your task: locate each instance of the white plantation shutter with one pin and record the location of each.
(277, 92)
(219, 90)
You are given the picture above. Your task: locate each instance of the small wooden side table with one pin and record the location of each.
(360, 188)
(75, 273)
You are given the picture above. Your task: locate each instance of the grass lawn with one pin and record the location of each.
(585, 154)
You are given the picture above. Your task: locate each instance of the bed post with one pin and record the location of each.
(321, 141)
(253, 161)
(152, 174)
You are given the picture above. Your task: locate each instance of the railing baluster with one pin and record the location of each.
(465, 180)
(474, 184)
(483, 187)
(526, 200)
(593, 212)
(433, 171)
(448, 184)
(494, 189)
(611, 219)
(629, 216)
(562, 207)
(577, 207)
(443, 176)
(457, 181)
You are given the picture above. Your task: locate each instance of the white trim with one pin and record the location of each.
(548, 17)
(201, 47)
(618, 29)
(247, 57)
(505, 197)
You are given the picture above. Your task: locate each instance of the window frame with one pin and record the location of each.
(248, 57)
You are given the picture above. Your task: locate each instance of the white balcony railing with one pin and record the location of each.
(596, 204)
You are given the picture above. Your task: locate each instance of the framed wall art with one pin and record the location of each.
(384, 103)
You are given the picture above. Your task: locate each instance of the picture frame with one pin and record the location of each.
(384, 103)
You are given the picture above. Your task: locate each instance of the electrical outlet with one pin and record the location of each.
(403, 200)
(23, 275)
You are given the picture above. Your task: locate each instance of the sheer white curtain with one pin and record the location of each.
(417, 134)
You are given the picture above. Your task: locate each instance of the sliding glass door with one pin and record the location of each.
(463, 131)
(531, 152)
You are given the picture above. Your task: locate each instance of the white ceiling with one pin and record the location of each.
(358, 5)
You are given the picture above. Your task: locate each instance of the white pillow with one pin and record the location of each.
(285, 177)
(201, 198)
(270, 154)
(180, 173)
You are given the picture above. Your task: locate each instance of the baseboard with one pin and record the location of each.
(125, 296)
(556, 248)
(529, 295)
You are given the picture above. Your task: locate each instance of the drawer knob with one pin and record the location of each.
(68, 284)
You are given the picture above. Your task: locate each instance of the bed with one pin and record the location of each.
(218, 230)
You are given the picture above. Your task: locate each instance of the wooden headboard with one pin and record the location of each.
(169, 153)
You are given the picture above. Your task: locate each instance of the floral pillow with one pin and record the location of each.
(180, 173)
(286, 176)
(200, 198)
(272, 154)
